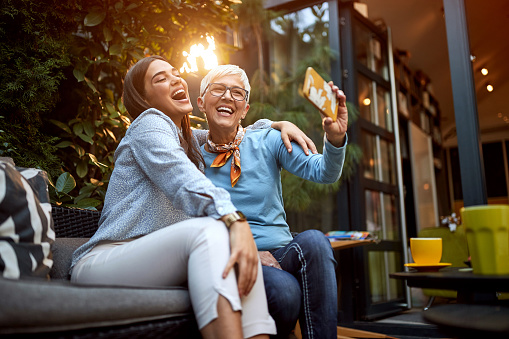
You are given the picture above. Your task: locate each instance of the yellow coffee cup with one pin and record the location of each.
(426, 251)
(487, 229)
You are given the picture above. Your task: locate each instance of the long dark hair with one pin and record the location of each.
(134, 101)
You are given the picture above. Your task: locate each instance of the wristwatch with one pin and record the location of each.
(230, 218)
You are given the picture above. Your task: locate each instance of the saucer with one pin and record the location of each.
(428, 268)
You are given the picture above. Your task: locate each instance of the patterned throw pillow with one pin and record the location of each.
(26, 226)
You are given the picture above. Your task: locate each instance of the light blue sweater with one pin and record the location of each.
(258, 193)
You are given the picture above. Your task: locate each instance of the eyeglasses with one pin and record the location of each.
(218, 90)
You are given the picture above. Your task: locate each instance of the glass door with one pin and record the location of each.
(374, 197)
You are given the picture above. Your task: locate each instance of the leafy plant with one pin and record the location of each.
(60, 193)
(62, 65)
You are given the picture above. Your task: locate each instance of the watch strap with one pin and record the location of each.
(230, 218)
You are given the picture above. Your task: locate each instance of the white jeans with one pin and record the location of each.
(195, 252)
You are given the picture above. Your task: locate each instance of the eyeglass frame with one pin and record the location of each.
(227, 88)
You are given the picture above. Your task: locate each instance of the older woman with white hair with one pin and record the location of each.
(299, 273)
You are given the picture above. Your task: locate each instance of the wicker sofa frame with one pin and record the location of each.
(72, 228)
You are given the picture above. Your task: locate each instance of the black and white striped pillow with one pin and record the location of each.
(26, 226)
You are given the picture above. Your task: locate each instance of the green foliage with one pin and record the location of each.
(28, 147)
(32, 55)
(63, 62)
(60, 193)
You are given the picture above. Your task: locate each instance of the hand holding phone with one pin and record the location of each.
(320, 94)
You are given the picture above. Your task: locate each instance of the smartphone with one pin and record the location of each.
(320, 94)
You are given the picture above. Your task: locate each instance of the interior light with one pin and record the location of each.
(366, 101)
(489, 88)
(484, 71)
(499, 115)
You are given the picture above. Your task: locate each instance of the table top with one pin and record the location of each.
(454, 278)
(471, 321)
(343, 244)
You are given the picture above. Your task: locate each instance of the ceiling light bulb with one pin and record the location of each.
(484, 71)
(366, 102)
(489, 88)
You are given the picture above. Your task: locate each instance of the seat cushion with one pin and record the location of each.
(26, 227)
(32, 306)
(63, 248)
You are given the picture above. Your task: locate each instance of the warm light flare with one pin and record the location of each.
(199, 51)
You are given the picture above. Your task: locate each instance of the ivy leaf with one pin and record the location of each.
(82, 168)
(96, 182)
(79, 75)
(80, 150)
(91, 85)
(94, 18)
(108, 36)
(63, 144)
(111, 109)
(115, 50)
(86, 138)
(87, 203)
(135, 54)
(131, 6)
(65, 183)
(61, 125)
(77, 128)
(89, 128)
(110, 133)
(95, 161)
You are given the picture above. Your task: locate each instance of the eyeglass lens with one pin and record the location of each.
(219, 90)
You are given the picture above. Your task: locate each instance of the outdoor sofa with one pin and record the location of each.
(55, 308)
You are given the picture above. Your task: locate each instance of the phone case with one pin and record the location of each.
(320, 94)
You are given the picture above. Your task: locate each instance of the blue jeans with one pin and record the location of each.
(306, 288)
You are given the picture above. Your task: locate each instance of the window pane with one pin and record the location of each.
(381, 215)
(378, 159)
(387, 162)
(298, 40)
(370, 51)
(381, 264)
(383, 101)
(370, 157)
(374, 213)
(391, 230)
(295, 38)
(366, 101)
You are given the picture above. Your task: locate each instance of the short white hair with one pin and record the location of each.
(221, 71)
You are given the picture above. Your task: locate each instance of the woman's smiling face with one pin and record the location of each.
(224, 112)
(166, 91)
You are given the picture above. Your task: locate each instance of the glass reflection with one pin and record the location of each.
(369, 51)
(383, 288)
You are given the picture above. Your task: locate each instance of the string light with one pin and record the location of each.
(489, 88)
(484, 71)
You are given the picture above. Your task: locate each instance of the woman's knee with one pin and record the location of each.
(283, 291)
(315, 245)
(313, 239)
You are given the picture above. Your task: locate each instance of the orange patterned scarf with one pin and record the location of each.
(225, 151)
